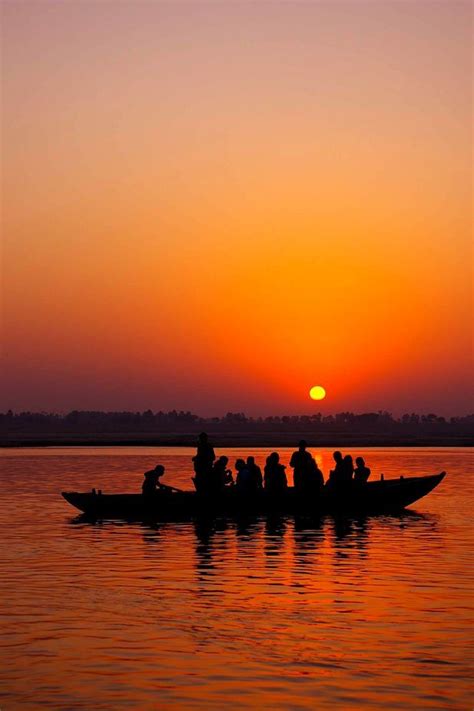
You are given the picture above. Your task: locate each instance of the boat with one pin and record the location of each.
(381, 496)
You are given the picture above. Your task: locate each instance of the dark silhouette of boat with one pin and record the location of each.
(382, 496)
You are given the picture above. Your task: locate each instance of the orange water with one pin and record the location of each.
(281, 614)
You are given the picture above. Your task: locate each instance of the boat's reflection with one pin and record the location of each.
(280, 541)
(274, 538)
(205, 532)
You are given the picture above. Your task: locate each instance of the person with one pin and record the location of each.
(274, 475)
(244, 477)
(255, 473)
(301, 463)
(151, 481)
(203, 461)
(361, 472)
(221, 476)
(348, 468)
(336, 475)
(314, 479)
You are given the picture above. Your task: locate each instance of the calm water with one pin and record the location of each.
(268, 614)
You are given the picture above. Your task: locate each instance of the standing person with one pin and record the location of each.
(301, 463)
(203, 461)
(275, 477)
(361, 472)
(255, 473)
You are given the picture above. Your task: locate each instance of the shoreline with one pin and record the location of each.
(273, 440)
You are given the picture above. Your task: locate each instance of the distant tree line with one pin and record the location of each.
(174, 421)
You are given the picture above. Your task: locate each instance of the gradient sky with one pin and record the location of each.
(214, 206)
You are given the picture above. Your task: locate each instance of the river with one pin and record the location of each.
(273, 614)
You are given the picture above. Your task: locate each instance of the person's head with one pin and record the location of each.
(337, 456)
(203, 437)
(360, 462)
(159, 470)
(224, 460)
(348, 459)
(239, 464)
(250, 461)
(302, 445)
(275, 457)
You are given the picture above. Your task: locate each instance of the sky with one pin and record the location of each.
(214, 206)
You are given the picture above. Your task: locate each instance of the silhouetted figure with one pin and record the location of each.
(244, 478)
(336, 475)
(348, 468)
(151, 481)
(275, 477)
(220, 475)
(255, 472)
(361, 472)
(203, 463)
(313, 479)
(301, 463)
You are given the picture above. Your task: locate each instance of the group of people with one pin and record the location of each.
(344, 471)
(213, 476)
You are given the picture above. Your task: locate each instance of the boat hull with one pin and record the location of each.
(387, 496)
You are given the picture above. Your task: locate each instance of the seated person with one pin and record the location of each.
(361, 472)
(255, 473)
(151, 482)
(313, 479)
(275, 477)
(336, 475)
(221, 476)
(348, 468)
(244, 477)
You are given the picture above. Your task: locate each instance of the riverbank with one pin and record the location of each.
(234, 439)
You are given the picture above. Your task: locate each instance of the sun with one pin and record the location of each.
(317, 392)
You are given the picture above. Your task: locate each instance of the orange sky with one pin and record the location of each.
(214, 206)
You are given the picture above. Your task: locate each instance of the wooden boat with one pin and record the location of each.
(383, 496)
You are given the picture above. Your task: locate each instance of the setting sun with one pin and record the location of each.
(317, 393)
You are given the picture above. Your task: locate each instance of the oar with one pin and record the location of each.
(172, 488)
